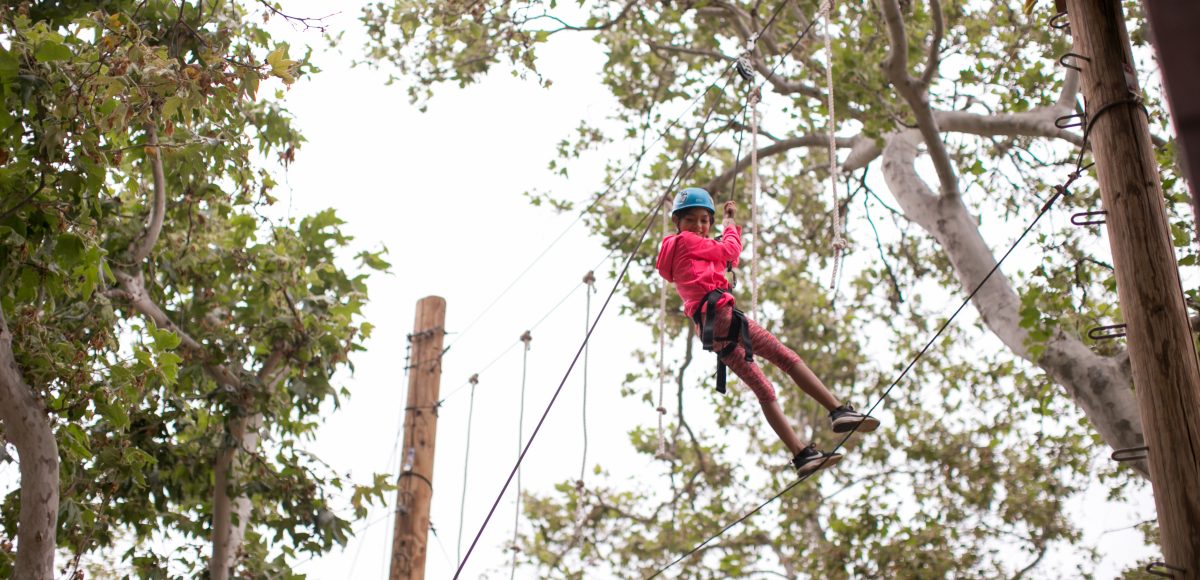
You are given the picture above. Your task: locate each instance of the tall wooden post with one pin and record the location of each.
(415, 482)
(1166, 373)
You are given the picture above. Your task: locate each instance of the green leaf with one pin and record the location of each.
(75, 441)
(116, 414)
(8, 66)
(165, 340)
(52, 51)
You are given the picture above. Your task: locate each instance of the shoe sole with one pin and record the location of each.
(824, 463)
(864, 424)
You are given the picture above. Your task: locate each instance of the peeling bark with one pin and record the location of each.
(28, 428)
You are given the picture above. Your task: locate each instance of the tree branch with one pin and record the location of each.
(688, 50)
(1066, 99)
(935, 45)
(307, 22)
(26, 199)
(912, 90)
(1035, 123)
(782, 146)
(140, 248)
(1038, 560)
(133, 289)
(605, 26)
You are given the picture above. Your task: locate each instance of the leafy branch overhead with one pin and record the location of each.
(180, 341)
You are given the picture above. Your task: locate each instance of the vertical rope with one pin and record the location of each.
(462, 506)
(525, 338)
(838, 243)
(755, 97)
(661, 452)
(590, 280)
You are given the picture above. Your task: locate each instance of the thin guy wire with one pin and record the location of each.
(514, 343)
(462, 506)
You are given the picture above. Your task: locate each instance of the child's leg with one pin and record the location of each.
(779, 422)
(751, 375)
(767, 346)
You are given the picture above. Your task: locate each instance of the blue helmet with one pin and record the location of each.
(693, 197)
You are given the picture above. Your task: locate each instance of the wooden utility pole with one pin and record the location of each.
(415, 482)
(1166, 372)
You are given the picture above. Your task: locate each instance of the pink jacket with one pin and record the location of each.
(697, 265)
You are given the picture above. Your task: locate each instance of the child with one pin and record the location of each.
(696, 265)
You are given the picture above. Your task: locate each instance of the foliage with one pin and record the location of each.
(981, 450)
(88, 88)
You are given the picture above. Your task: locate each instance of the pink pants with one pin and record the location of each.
(764, 344)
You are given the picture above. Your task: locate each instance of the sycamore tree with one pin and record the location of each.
(165, 345)
(946, 147)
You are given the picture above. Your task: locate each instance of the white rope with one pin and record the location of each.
(661, 452)
(838, 243)
(755, 97)
(580, 513)
(525, 338)
(462, 506)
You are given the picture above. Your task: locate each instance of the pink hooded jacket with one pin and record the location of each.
(697, 265)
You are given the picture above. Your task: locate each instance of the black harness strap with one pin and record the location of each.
(739, 333)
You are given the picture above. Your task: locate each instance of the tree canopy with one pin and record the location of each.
(167, 343)
(946, 147)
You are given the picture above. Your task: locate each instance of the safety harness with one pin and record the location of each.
(739, 332)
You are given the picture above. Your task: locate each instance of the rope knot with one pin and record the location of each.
(839, 243)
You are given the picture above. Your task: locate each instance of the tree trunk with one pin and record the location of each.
(27, 427)
(231, 511)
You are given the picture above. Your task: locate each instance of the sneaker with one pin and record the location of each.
(846, 419)
(810, 459)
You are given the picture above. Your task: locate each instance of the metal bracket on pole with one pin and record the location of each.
(1107, 332)
(1153, 568)
(1061, 122)
(1059, 21)
(1063, 60)
(1087, 218)
(1130, 454)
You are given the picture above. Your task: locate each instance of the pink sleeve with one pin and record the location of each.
(724, 250)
